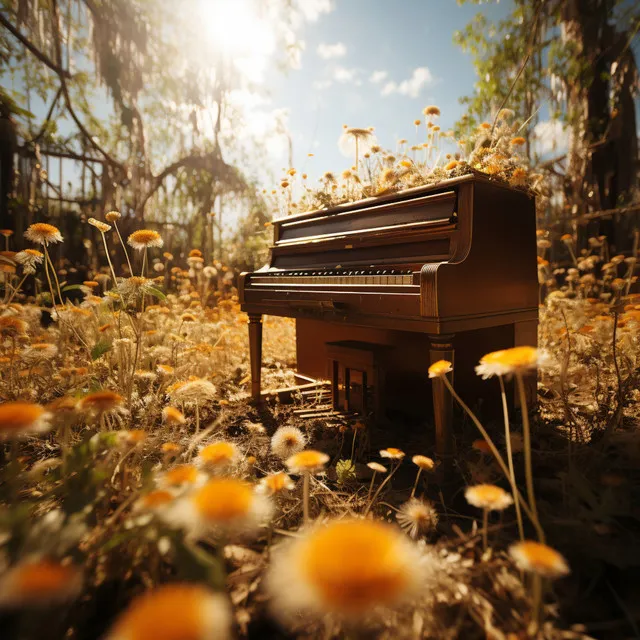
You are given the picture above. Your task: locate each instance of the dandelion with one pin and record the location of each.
(376, 467)
(392, 453)
(518, 141)
(41, 351)
(307, 462)
(43, 233)
(6, 233)
(157, 500)
(21, 419)
(218, 455)
(417, 517)
(543, 562)
(100, 402)
(173, 416)
(141, 240)
(356, 140)
(487, 497)
(175, 612)
(223, 507)
(287, 441)
(102, 227)
(347, 569)
(29, 259)
(11, 327)
(180, 476)
(38, 583)
(440, 369)
(424, 464)
(276, 483)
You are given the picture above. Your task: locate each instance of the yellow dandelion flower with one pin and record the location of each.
(276, 483)
(40, 582)
(22, 419)
(508, 361)
(43, 233)
(180, 475)
(431, 110)
(218, 455)
(488, 496)
(102, 227)
(171, 415)
(347, 568)
(424, 463)
(392, 453)
(175, 612)
(440, 368)
(100, 401)
(518, 141)
(539, 558)
(144, 238)
(112, 216)
(307, 461)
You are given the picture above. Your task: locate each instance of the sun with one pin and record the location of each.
(242, 31)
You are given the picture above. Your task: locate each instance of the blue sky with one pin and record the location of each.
(371, 63)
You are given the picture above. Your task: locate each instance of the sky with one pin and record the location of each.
(371, 63)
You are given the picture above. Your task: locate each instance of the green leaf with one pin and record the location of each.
(100, 348)
(152, 291)
(72, 287)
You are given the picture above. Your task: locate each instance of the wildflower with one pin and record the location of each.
(113, 216)
(195, 253)
(224, 506)
(41, 351)
(417, 517)
(144, 238)
(423, 463)
(155, 500)
(377, 467)
(209, 272)
(188, 317)
(164, 369)
(507, 361)
(7, 233)
(539, 558)
(287, 441)
(167, 256)
(171, 415)
(179, 476)
(440, 368)
(12, 327)
(482, 446)
(276, 483)
(451, 165)
(392, 453)
(485, 125)
(102, 227)
(307, 461)
(347, 569)
(518, 141)
(175, 612)
(101, 401)
(218, 455)
(488, 496)
(431, 110)
(194, 391)
(170, 448)
(29, 259)
(39, 583)
(43, 233)
(132, 437)
(22, 419)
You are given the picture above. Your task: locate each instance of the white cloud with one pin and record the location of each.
(313, 9)
(410, 87)
(550, 136)
(342, 74)
(378, 76)
(320, 85)
(337, 50)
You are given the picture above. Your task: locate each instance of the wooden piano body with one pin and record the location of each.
(437, 272)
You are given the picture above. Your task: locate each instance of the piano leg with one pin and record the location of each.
(441, 348)
(255, 353)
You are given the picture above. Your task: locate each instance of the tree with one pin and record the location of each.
(139, 86)
(574, 59)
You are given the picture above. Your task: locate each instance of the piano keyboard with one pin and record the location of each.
(358, 277)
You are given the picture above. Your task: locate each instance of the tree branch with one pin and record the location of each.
(63, 73)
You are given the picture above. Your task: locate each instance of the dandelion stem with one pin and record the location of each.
(496, 455)
(113, 273)
(353, 444)
(377, 493)
(536, 595)
(485, 527)
(305, 497)
(526, 429)
(46, 272)
(373, 479)
(126, 254)
(512, 473)
(53, 269)
(415, 484)
(144, 262)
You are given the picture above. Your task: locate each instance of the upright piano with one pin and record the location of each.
(429, 273)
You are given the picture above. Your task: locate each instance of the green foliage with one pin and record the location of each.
(100, 348)
(345, 472)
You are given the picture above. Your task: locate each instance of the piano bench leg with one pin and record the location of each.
(441, 348)
(255, 354)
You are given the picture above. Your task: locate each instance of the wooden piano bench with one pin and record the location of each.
(357, 373)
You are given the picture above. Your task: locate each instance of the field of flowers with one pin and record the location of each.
(142, 495)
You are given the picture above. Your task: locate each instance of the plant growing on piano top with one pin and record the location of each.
(492, 151)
